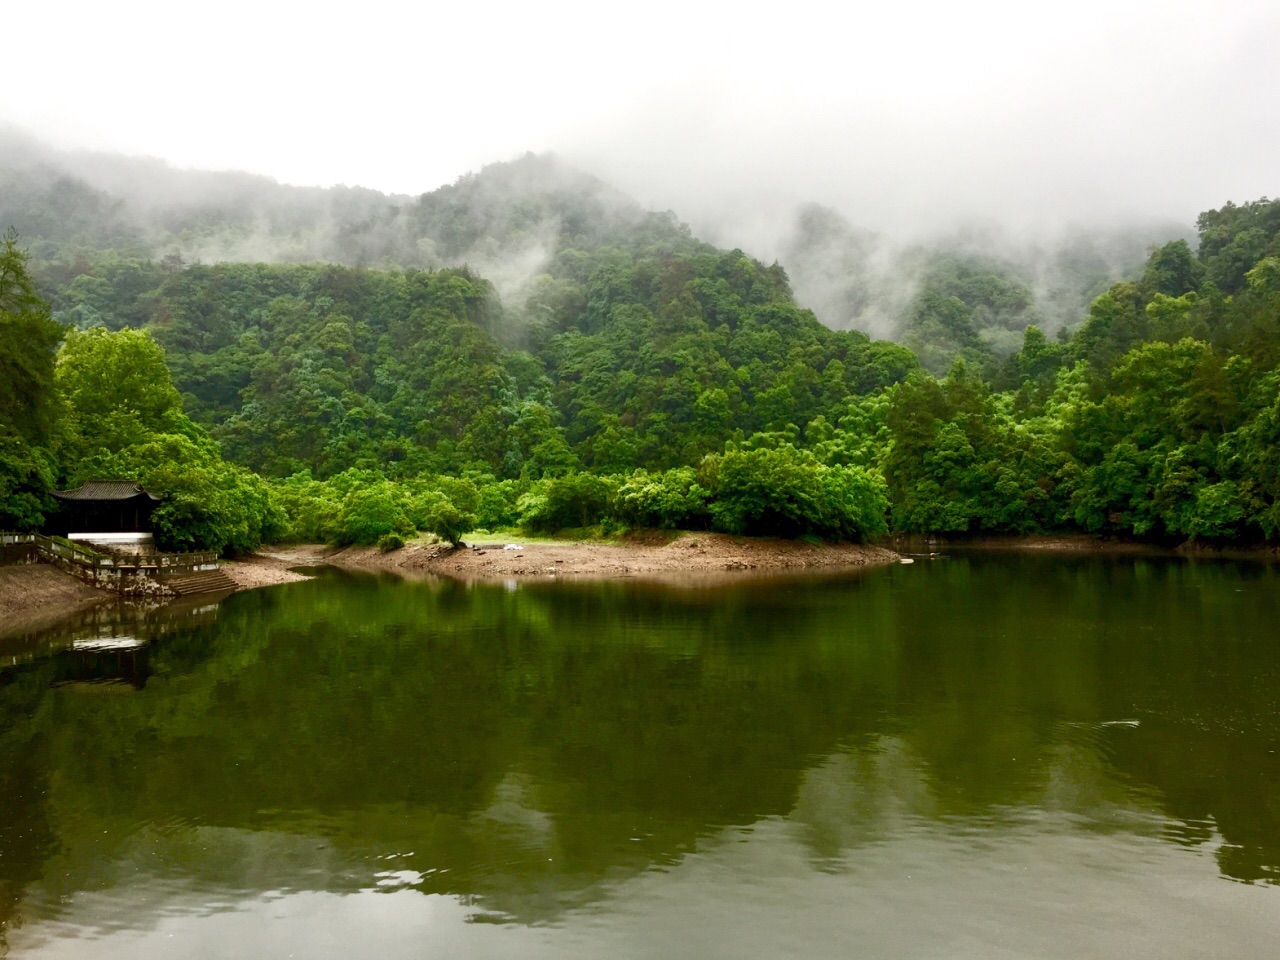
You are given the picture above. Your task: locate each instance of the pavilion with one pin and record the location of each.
(106, 512)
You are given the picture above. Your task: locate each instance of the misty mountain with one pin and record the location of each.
(973, 290)
(84, 215)
(504, 221)
(969, 291)
(625, 342)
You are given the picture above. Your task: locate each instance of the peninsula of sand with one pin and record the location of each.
(691, 556)
(35, 596)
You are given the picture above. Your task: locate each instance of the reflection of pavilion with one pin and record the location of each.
(107, 513)
(103, 632)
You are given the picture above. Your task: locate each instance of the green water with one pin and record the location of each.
(979, 756)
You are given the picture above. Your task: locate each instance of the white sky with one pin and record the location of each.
(900, 114)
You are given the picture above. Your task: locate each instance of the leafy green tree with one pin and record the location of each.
(29, 340)
(1234, 238)
(26, 476)
(312, 507)
(667, 501)
(574, 500)
(784, 491)
(435, 512)
(29, 428)
(371, 513)
(1172, 270)
(1249, 458)
(118, 392)
(496, 505)
(1117, 321)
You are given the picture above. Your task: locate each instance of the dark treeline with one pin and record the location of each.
(640, 378)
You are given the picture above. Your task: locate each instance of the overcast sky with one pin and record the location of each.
(902, 115)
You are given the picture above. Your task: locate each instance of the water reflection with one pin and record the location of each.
(531, 753)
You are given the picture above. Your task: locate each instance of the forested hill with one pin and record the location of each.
(647, 355)
(625, 372)
(967, 291)
(74, 209)
(964, 293)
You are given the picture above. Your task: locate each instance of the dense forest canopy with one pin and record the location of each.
(528, 347)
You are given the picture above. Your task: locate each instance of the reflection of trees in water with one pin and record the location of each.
(529, 749)
(26, 839)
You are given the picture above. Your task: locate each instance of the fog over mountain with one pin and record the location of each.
(508, 220)
(504, 221)
(905, 119)
(854, 147)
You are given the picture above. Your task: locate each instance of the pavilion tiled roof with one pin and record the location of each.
(105, 490)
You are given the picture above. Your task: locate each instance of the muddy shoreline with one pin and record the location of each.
(36, 596)
(696, 557)
(270, 566)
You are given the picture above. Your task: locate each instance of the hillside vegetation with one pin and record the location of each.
(584, 362)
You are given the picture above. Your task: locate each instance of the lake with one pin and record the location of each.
(981, 756)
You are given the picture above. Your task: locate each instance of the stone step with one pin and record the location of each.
(211, 581)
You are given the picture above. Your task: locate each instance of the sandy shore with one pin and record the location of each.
(270, 566)
(693, 558)
(36, 596)
(696, 555)
(33, 596)
(699, 557)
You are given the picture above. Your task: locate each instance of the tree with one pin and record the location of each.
(29, 340)
(118, 392)
(437, 513)
(125, 419)
(783, 491)
(574, 500)
(1172, 270)
(372, 513)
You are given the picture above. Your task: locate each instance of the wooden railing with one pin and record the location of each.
(92, 565)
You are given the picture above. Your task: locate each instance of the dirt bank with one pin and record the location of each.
(37, 595)
(699, 555)
(270, 566)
